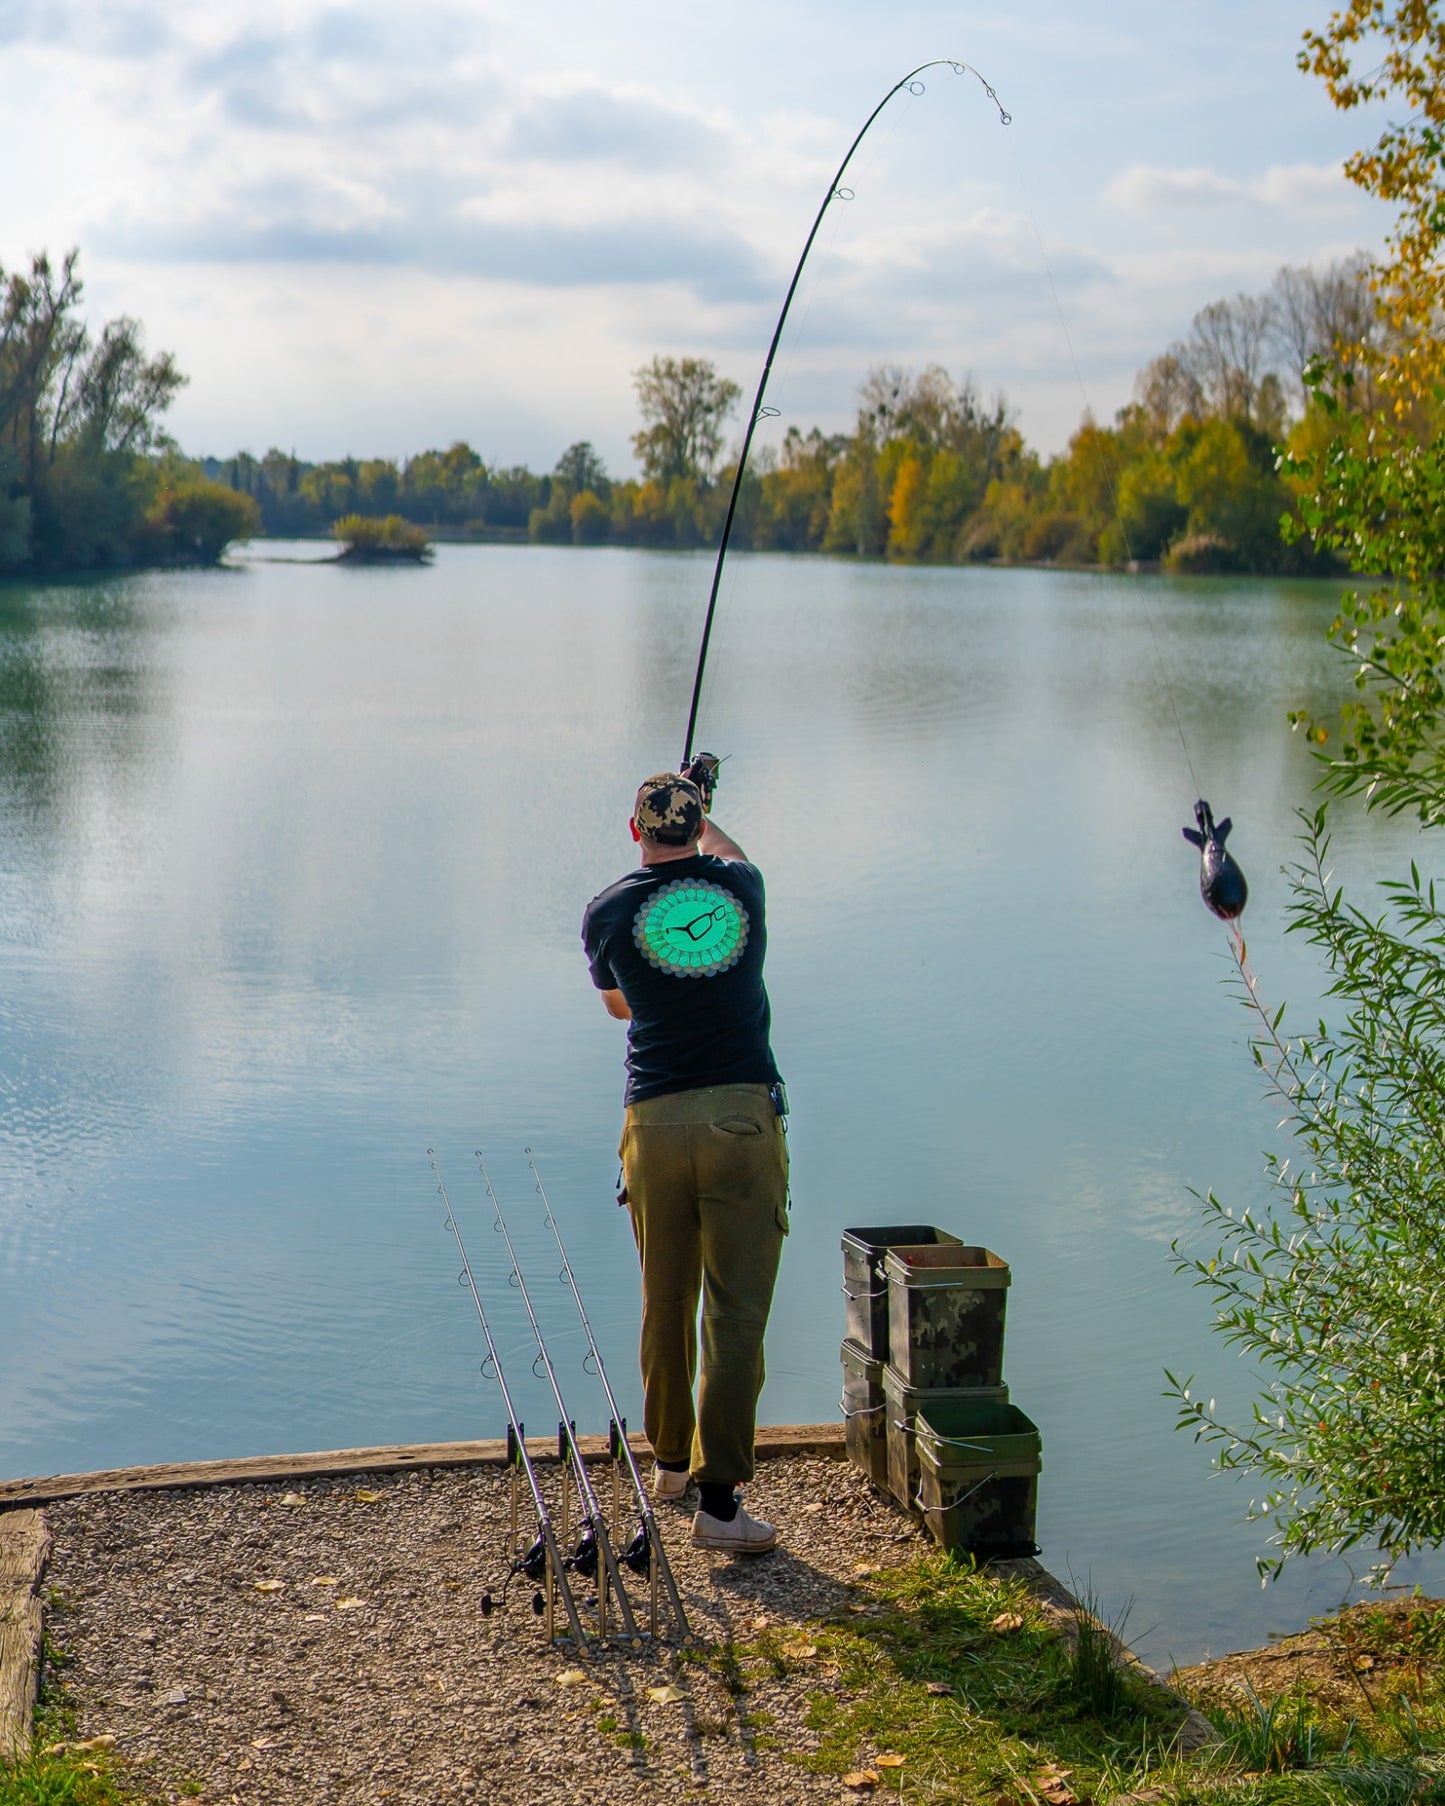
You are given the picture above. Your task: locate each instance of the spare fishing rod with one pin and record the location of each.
(645, 1552)
(594, 1541)
(836, 192)
(541, 1563)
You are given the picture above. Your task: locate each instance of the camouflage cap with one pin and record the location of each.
(668, 810)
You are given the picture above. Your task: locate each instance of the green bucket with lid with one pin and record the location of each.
(978, 1476)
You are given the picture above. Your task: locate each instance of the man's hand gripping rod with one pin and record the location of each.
(543, 1560)
(595, 1539)
(650, 1537)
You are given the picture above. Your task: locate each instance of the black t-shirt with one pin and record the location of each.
(684, 943)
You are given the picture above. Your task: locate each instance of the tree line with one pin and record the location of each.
(1188, 475)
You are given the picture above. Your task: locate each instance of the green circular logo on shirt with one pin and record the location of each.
(691, 929)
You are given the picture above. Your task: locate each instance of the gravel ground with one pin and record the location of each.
(370, 1673)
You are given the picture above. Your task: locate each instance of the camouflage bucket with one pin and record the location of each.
(863, 1408)
(978, 1485)
(946, 1315)
(901, 1404)
(864, 1287)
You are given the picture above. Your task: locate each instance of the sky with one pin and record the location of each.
(372, 229)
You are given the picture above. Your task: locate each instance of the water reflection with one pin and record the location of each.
(295, 860)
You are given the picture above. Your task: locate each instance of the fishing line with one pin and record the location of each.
(645, 1553)
(595, 1541)
(1103, 463)
(914, 85)
(1221, 882)
(770, 414)
(542, 1563)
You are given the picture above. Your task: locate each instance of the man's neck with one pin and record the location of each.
(660, 855)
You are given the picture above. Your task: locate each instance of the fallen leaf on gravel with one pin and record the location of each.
(939, 1687)
(365, 1496)
(326, 1580)
(890, 1761)
(817, 1505)
(263, 1743)
(571, 1677)
(801, 1650)
(1007, 1621)
(863, 1780)
(665, 1696)
(176, 1697)
(761, 1623)
(857, 1609)
(293, 1498)
(349, 1604)
(1053, 1784)
(245, 1762)
(269, 1586)
(867, 1567)
(106, 1741)
(314, 1618)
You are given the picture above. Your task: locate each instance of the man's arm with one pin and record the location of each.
(615, 1004)
(718, 844)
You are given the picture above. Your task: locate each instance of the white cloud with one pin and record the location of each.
(1145, 188)
(519, 207)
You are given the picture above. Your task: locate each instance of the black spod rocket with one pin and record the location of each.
(1221, 883)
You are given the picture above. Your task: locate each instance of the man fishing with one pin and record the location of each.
(676, 948)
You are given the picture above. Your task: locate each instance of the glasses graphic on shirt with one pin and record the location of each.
(691, 928)
(698, 928)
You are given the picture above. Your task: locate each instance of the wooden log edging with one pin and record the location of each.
(24, 1549)
(823, 1439)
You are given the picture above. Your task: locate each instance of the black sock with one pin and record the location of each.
(674, 1467)
(717, 1501)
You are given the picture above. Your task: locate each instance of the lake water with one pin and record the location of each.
(292, 862)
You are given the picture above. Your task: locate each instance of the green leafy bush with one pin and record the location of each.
(369, 537)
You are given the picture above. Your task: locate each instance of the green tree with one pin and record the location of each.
(684, 403)
(580, 468)
(192, 520)
(1338, 1291)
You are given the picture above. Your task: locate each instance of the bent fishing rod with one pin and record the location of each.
(836, 192)
(595, 1541)
(543, 1560)
(650, 1538)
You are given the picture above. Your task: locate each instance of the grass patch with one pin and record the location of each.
(71, 1778)
(971, 1683)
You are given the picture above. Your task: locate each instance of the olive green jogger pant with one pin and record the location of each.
(706, 1173)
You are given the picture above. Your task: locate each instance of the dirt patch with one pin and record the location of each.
(1370, 1651)
(325, 1641)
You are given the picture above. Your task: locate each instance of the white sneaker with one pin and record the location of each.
(741, 1535)
(668, 1486)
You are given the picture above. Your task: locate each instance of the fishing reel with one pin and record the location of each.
(532, 1565)
(638, 1554)
(702, 769)
(585, 1555)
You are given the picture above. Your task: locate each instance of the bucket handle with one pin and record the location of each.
(963, 1500)
(862, 1411)
(950, 1285)
(954, 1442)
(853, 1297)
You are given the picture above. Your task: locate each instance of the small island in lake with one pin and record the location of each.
(383, 539)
